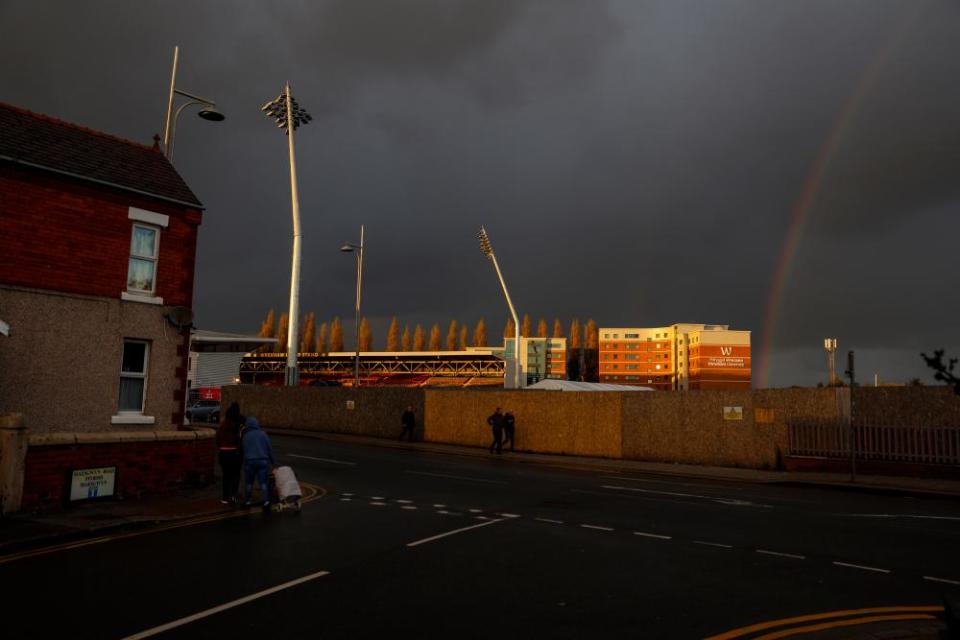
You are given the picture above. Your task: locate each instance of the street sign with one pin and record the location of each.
(87, 484)
(733, 413)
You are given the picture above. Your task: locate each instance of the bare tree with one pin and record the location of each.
(393, 335)
(510, 330)
(405, 339)
(573, 339)
(943, 371)
(282, 334)
(306, 333)
(525, 326)
(336, 335)
(463, 336)
(542, 328)
(268, 329)
(591, 337)
(322, 338)
(419, 341)
(557, 328)
(452, 336)
(366, 335)
(480, 334)
(435, 338)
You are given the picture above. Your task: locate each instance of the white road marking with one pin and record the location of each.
(330, 460)
(944, 580)
(376, 503)
(780, 554)
(549, 520)
(404, 501)
(377, 498)
(481, 518)
(860, 566)
(223, 607)
(454, 532)
(718, 499)
(899, 515)
(443, 512)
(345, 499)
(597, 527)
(713, 544)
(409, 507)
(346, 494)
(444, 475)
(439, 506)
(475, 510)
(644, 534)
(509, 515)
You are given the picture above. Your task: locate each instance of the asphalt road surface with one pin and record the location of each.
(412, 544)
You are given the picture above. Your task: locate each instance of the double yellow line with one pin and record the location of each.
(311, 493)
(829, 620)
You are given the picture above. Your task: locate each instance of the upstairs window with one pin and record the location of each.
(144, 249)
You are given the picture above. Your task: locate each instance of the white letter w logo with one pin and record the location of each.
(726, 350)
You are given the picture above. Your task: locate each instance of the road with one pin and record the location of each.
(416, 544)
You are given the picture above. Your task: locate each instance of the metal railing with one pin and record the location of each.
(872, 441)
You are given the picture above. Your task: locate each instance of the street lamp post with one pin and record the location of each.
(208, 112)
(358, 250)
(487, 249)
(289, 116)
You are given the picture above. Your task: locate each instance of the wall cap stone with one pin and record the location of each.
(12, 421)
(51, 439)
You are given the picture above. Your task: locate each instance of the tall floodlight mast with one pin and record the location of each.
(289, 116)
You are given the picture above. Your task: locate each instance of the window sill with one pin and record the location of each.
(136, 297)
(132, 418)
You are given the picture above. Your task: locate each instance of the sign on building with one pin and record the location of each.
(733, 413)
(87, 484)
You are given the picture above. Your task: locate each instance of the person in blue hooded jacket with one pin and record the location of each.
(257, 459)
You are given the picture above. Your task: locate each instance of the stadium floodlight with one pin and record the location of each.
(487, 250)
(285, 111)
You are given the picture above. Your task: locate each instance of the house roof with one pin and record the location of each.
(43, 142)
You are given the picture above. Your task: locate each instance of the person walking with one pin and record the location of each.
(228, 452)
(409, 421)
(508, 429)
(496, 423)
(257, 460)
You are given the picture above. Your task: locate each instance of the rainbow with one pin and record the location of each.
(800, 212)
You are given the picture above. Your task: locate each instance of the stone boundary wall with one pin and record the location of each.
(147, 462)
(683, 427)
(376, 411)
(583, 423)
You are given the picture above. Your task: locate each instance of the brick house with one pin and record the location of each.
(97, 253)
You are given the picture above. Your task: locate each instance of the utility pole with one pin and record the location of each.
(851, 373)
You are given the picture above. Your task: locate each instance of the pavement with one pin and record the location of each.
(412, 542)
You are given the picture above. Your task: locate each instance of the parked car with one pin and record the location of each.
(204, 411)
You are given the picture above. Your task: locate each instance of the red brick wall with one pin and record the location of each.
(142, 468)
(69, 235)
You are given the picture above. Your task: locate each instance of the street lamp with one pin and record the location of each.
(487, 249)
(357, 249)
(285, 110)
(208, 112)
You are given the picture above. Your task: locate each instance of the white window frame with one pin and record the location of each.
(134, 417)
(155, 259)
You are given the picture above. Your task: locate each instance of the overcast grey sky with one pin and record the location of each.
(636, 162)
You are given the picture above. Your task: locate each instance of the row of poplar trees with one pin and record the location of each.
(329, 336)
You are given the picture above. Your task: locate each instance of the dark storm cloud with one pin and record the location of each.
(636, 162)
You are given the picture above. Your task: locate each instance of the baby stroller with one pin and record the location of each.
(286, 489)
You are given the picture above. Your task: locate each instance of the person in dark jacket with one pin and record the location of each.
(508, 429)
(496, 423)
(257, 460)
(409, 421)
(228, 452)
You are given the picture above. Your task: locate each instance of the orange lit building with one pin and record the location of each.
(681, 356)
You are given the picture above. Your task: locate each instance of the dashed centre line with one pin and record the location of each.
(780, 554)
(943, 580)
(596, 527)
(644, 534)
(862, 567)
(719, 545)
(549, 520)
